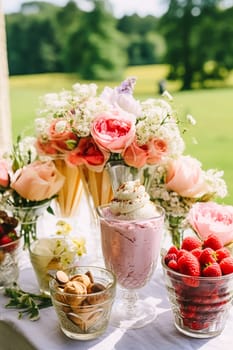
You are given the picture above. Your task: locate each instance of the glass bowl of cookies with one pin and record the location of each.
(83, 297)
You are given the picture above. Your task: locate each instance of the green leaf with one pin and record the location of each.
(28, 303)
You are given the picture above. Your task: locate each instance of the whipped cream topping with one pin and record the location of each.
(132, 201)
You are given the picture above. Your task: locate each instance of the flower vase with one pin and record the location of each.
(28, 219)
(176, 230)
(69, 197)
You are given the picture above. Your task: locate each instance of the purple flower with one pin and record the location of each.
(127, 86)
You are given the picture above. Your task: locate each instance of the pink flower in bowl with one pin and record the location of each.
(212, 218)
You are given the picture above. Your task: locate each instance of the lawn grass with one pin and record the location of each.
(212, 108)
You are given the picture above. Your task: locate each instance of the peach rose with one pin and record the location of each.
(38, 181)
(60, 138)
(114, 131)
(185, 176)
(150, 153)
(212, 218)
(157, 149)
(89, 154)
(46, 147)
(135, 155)
(4, 176)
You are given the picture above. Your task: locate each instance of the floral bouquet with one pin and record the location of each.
(27, 185)
(180, 183)
(88, 131)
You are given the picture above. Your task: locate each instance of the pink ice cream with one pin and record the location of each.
(131, 231)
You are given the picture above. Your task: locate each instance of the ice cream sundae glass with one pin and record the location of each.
(131, 231)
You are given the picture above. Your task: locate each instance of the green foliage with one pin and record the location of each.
(194, 33)
(191, 37)
(28, 304)
(96, 49)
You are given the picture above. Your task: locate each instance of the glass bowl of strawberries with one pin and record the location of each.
(9, 248)
(199, 282)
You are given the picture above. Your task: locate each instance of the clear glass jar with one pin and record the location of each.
(85, 316)
(200, 305)
(9, 269)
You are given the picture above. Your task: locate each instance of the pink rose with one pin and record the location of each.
(113, 131)
(185, 176)
(89, 154)
(4, 176)
(38, 181)
(212, 218)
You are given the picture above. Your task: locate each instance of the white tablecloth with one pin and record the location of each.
(161, 334)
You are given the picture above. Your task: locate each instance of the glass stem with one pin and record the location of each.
(130, 298)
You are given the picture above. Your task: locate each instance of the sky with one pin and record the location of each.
(120, 7)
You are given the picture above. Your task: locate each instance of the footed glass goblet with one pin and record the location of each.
(130, 250)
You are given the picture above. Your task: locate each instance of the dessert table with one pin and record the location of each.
(160, 334)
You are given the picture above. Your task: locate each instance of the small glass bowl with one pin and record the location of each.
(200, 305)
(85, 316)
(9, 269)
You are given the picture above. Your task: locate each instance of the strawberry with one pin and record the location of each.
(189, 265)
(212, 270)
(170, 256)
(208, 256)
(5, 240)
(173, 250)
(191, 242)
(181, 252)
(226, 265)
(222, 253)
(212, 241)
(172, 264)
(196, 252)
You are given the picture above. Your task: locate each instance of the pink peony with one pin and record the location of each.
(113, 131)
(212, 218)
(38, 181)
(185, 177)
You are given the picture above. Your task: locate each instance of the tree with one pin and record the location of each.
(95, 50)
(5, 115)
(189, 27)
(144, 44)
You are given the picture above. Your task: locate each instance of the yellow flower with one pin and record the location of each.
(63, 228)
(80, 245)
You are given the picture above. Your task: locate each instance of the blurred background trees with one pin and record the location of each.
(194, 37)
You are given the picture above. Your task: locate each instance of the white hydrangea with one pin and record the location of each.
(157, 121)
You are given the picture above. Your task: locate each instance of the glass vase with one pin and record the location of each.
(28, 219)
(176, 230)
